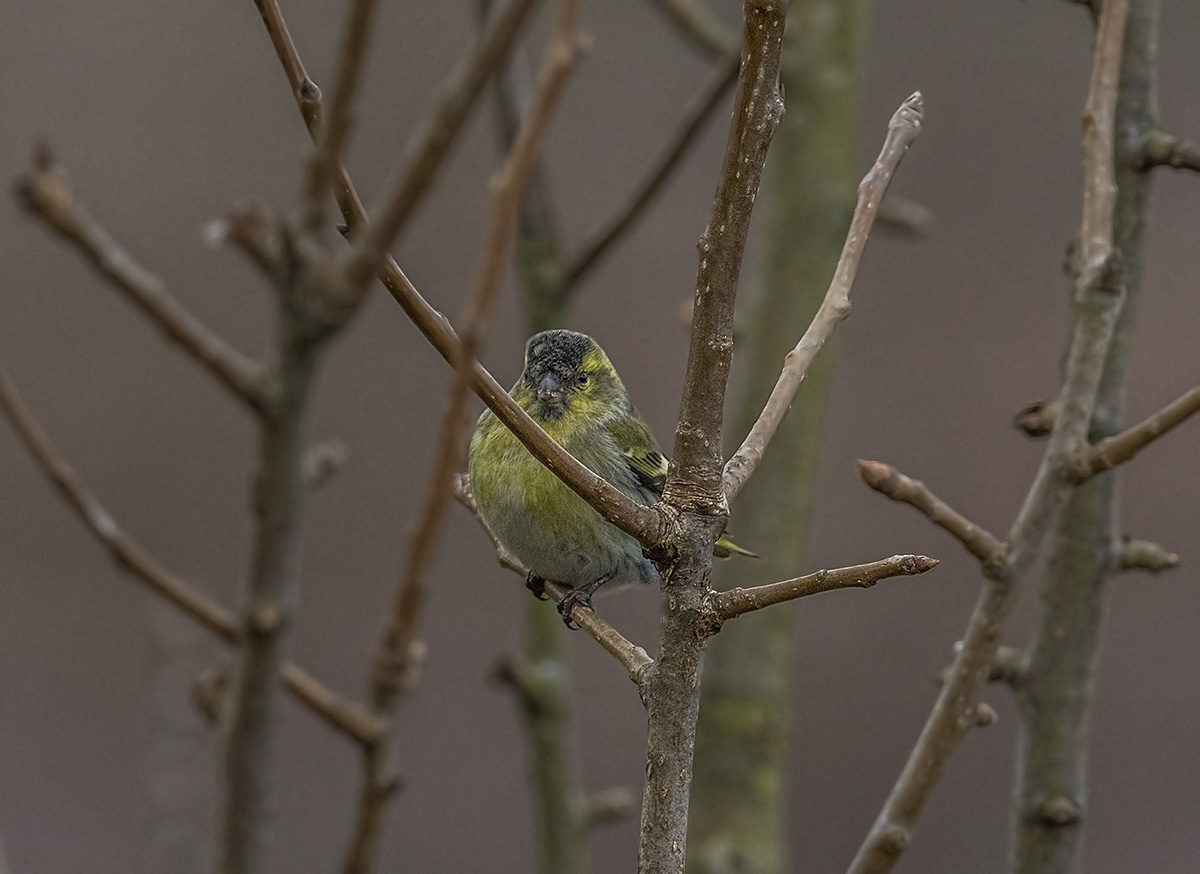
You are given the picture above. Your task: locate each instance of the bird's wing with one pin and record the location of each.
(633, 438)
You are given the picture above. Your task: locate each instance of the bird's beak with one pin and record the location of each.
(549, 390)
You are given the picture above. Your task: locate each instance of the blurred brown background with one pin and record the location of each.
(166, 115)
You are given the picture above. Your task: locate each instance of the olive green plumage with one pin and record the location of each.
(572, 390)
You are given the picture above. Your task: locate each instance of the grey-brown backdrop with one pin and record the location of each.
(168, 114)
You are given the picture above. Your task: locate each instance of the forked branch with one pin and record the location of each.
(887, 480)
(433, 139)
(47, 194)
(343, 715)
(651, 528)
(1098, 302)
(1111, 451)
(902, 130)
(393, 667)
(635, 659)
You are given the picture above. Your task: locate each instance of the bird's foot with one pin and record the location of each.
(537, 585)
(580, 597)
(572, 599)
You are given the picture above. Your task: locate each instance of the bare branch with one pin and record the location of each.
(735, 602)
(325, 461)
(695, 117)
(350, 63)
(1099, 299)
(648, 525)
(559, 60)
(694, 483)
(902, 130)
(1146, 555)
(1111, 451)
(347, 717)
(1036, 419)
(905, 216)
(1159, 149)
(433, 139)
(127, 553)
(47, 194)
(886, 479)
(392, 665)
(635, 659)
(1008, 666)
(671, 686)
(699, 25)
(1099, 182)
(607, 806)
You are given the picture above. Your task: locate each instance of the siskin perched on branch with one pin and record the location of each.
(572, 390)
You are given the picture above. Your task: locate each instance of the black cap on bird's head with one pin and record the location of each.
(563, 366)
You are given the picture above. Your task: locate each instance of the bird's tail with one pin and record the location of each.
(725, 547)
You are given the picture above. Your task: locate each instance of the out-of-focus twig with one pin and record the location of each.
(906, 216)
(433, 139)
(699, 25)
(345, 716)
(902, 130)
(47, 194)
(1036, 419)
(1145, 555)
(1099, 299)
(1111, 451)
(646, 524)
(351, 60)
(393, 662)
(695, 116)
(1159, 149)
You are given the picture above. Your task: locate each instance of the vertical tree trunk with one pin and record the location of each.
(1056, 689)
(807, 200)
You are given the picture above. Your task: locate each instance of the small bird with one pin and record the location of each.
(572, 390)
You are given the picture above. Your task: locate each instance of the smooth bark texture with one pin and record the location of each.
(1098, 296)
(671, 687)
(806, 199)
(902, 130)
(1057, 686)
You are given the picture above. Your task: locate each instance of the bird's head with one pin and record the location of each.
(568, 373)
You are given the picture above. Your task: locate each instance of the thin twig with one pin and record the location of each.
(1111, 451)
(47, 194)
(906, 216)
(695, 479)
(1159, 149)
(648, 525)
(738, 601)
(1036, 419)
(902, 130)
(431, 142)
(671, 157)
(392, 664)
(343, 715)
(635, 659)
(699, 25)
(560, 58)
(351, 60)
(1099, 301)
(1146, 555)
(887, 480)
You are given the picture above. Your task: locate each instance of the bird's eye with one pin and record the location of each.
(582, 379)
